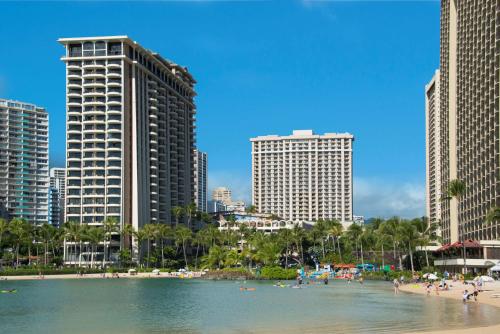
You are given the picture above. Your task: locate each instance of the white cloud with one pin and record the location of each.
(372, 197)
(384, 198)
(239, 184)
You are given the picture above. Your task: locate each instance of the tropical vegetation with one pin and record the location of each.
(194, 241)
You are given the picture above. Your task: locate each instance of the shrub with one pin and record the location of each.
(276, 272)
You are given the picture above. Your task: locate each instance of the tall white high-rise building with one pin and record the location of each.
(433, 149)
(200, 180)
(303, 177)
(57, 195)
(24, 160)
(130, 133)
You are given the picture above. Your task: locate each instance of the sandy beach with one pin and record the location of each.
(93, 276)
(455, 292)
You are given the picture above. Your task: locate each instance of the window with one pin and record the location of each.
(75, 50)
(88, 49)
(114, 48)
(100, 48)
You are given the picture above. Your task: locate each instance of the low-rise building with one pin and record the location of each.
(258, 221)
(480, 256)
(215, 206)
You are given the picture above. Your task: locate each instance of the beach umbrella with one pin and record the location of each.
(156, 271)
(432, 277)
(486, 279)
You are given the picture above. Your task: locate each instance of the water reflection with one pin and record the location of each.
(159, 306)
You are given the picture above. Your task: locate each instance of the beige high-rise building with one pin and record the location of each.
(469, 116)
(130, 132)
(303, 177)
(223, 195)
(433, 151)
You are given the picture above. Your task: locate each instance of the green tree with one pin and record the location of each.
(4, 228)
(269, 252)
(215, 257)
(183, 236)
(427, 233)
(456, 190)
(163, 232)
(334, 231)
(46, 233)
(149, 231)
(127, 233)
(492, 216)
(409, 236)
(17, 228)
(354, 234)
(319, 233)
(299, 235)
(190, 211)
(177, 211)
(110, 226)
(286, 237)
(389, 228)
(95, 235)
(251, 209)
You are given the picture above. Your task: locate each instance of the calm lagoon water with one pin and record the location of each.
(197, 306)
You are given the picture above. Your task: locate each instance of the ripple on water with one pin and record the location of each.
(196, 306)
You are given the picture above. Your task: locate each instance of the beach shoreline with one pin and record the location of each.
(93, 276)
(455, 292)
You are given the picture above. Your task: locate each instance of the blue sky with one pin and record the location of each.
(263, 67)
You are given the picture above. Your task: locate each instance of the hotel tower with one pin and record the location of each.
(469, 102)
(303, 177)
(433, 150)
(24, 160)
(130, 132)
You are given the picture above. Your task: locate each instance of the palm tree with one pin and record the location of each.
(46, 233)
(334, 231)
(163, 232)
(492, 216)
(408, 235)
(390, 229)
(215, 257)
(299, 235)
(251, 209)
(354, 233)
(177, 211)
(427, 232)
(127, 233)
(456, 190)
(319, 232)
(110, 226)
(4, 227)
(17, 227)
(95, 235)
(149, 231)
(139, 236)
(190, 211)
(286, 237)
(381, 240)
(269, 252)
(182, 237)
(72, 232)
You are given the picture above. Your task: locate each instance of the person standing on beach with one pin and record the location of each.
(465, 296)
(396, 286)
